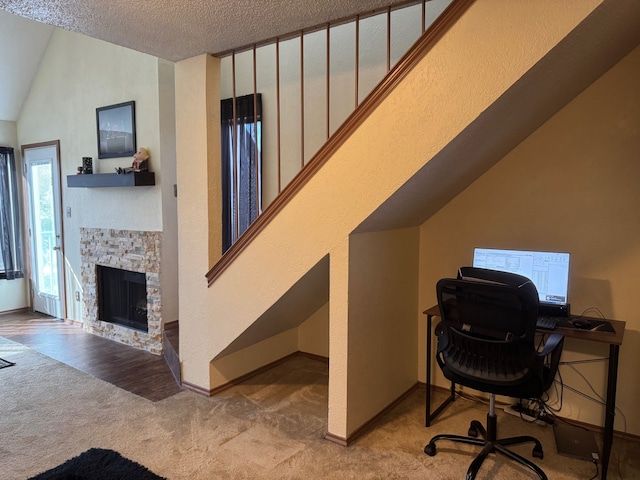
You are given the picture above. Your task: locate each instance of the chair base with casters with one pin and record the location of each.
(490, 444)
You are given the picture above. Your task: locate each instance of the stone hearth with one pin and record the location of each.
(136, 251)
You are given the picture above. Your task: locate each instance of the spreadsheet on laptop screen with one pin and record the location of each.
(549, 271)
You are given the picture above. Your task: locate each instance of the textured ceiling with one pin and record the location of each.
(169, 29)
(179, 29)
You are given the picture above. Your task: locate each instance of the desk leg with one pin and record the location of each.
(610, 408)
(428, 416)
(427, 413)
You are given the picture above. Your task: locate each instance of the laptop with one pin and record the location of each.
(575, 442)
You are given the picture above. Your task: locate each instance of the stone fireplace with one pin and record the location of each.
(135, 256)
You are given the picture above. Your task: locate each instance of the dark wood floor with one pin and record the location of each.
(134, 370)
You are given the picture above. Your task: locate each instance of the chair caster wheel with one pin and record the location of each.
(537, 452)
(472, 432)
(430, 449)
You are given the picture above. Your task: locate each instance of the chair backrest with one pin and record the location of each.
(500, 302)
(488, 327)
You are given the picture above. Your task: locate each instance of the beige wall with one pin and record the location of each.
(195, 78)
(167, 132)
(14, 294)
(77, 75)
(383, 303)
(571, 186)
(313, 334)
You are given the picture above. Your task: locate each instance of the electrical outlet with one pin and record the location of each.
(68, 212)
(77, 296)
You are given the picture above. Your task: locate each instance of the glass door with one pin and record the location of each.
(45, 229)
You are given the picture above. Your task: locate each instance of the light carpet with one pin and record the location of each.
(270, 427)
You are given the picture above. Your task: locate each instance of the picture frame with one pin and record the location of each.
(116, 130)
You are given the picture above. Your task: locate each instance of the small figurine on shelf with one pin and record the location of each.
(141, 160)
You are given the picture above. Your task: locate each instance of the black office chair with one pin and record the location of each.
(486, 341)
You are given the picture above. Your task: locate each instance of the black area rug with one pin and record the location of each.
(6, 363)
(98, 464)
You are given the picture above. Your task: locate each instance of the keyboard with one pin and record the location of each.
(547, 323)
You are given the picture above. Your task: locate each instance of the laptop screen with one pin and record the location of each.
(549, 271)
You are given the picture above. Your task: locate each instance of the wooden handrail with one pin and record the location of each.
(424, 44)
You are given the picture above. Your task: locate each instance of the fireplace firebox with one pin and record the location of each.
(122, 297)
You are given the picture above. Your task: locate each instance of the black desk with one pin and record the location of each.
(613, 339)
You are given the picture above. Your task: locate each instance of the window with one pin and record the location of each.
(10, 245)
(241, 165)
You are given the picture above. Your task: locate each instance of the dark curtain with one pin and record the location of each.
(10, 247)
(241, 175)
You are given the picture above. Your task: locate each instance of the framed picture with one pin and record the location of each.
(116, 125)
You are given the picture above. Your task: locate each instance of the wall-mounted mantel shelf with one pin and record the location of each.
(133, 179)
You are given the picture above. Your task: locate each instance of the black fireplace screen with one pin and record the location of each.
(122, 297)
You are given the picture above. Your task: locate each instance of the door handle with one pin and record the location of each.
(57, 247)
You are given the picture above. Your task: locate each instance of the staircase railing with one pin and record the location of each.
(363, 109)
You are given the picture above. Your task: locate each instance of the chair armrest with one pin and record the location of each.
(554, 340)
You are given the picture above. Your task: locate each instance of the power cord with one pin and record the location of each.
(593, 309)
(534, 411)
